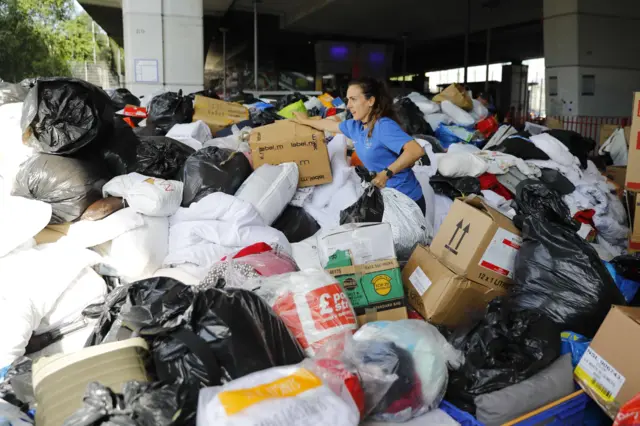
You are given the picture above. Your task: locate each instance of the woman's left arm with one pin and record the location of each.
(411, 152)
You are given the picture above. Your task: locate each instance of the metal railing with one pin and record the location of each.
(589, 126)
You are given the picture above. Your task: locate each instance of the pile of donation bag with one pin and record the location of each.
(184, 260)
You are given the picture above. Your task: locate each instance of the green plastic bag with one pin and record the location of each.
(287, 112)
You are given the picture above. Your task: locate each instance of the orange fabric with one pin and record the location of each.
(355, 161)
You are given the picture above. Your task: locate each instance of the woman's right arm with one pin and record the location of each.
(326, 124)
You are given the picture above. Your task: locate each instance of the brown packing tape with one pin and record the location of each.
(367, 268)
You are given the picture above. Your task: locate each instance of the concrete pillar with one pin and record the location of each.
(592, 57)
(163, 44)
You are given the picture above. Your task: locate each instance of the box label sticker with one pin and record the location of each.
(501, 253)
(596, 373)
(420, 281)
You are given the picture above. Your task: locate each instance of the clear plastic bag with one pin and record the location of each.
(423, 377)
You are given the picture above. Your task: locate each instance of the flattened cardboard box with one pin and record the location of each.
(440, 295)
(285, 141)
(363, 260)
(218, 114)
(478, 242)
(609, 371)
(633, 165)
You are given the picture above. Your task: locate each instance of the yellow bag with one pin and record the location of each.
(326, 100)
(287, 112)
(456, 94)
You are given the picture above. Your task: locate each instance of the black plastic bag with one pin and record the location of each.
(123, 97)
(534, 198)
(63, 115)
(168, 109)
(433, 141)
(504, 348)
(161, 157)
(263, 117)
(70, 185)
(120, 151)
(411, 119)
(227, 131)
(290, 99)
(213, 169)
(296, 224)
(524, 149)
(577, 144)
(140, 404)
(107, 315)
(627, 266)
(207, 336)
(148, 131)
(207, 93)
(368, 209)
(560, 275)
(455, 187)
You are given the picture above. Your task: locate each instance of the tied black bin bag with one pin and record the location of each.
(411, 119)
(213, 169)
(123, 97)
(368, 209)
(168, 109)
(504, 348)
(161, 157)
(62, 115)
(69, 185)
(296, 224)
(557, 273)
(140, 404)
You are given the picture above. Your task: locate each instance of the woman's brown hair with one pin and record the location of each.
(383, 106)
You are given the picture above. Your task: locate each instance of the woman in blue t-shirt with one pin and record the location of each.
(382, 146)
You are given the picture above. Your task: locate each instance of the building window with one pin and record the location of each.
(553, 86)
(588, 85)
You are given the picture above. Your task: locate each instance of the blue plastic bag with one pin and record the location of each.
(574, 344)
(448, 135)
(627, 287)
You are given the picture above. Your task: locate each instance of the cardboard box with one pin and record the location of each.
(633, 165)
(478, 242)
(607, 130)
(440, 295)
(285, 141)
(362, 258)
(609, 371)
(617, 175)
(632, 204)
(218, 114)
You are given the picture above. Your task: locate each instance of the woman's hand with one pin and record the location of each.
(380, 180)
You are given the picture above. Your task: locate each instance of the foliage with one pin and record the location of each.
(41, 37)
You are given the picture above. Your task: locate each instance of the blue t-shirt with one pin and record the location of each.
(381, 149)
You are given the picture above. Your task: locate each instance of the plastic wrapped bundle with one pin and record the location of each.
(296, 224)
(411, 118)
(422, 377)
(62, 115)
(213, 170)
(68, 184)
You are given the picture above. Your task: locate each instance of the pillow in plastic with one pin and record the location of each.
(426, 106)
(552, 383)
(146, 195)
(269, 189)
(191, 134)
(461, 164)
(409, 226)
(432, 356)
(459, 116)
(281, 396)
(480, 112)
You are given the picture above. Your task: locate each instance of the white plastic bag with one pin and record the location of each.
(311, 303)
(425, 105)
(280, 396)
(235, 141)
(459, 116)
(146, 195)
(434, 120)
(269, 189)
(193, 134)
(616, 146)
(12, 151)
(480, 112)
(408, 224)
(461, 164)
(432, 356)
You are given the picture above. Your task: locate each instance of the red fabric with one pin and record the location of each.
(351, 381)
(629, 414)
(331, 112)
(412, 399)
(264, 260)
(488, 126)
(585, 216)
(256, 248)
(490, 182)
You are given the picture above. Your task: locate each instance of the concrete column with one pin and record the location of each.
(592, 57)
(163, 44)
